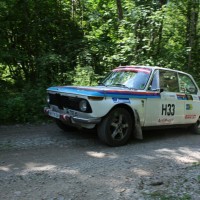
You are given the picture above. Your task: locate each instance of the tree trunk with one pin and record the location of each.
(119, 9)
(160, 30)
(192, 22)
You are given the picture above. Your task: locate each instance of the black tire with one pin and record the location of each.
(115, 129)
(195, 128)
(65, 127)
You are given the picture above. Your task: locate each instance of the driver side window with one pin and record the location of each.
(169, 81)
(165, 80)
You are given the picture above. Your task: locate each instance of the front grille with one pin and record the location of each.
(67, 102)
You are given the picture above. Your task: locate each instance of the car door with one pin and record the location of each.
(190, 95)
(167, 109)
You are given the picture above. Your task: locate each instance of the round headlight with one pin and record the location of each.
(83, 105)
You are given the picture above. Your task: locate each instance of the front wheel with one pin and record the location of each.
(115, 129)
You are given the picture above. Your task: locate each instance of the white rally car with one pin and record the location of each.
(128, 100)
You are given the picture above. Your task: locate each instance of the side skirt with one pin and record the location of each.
(166, 126)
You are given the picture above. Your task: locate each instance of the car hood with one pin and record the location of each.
(78, 90)
(103, 91)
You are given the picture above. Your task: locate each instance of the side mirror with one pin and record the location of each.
(161, 90)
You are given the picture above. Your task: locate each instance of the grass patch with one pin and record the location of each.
(161, 196)
(5, 146)
(196, 164)
(198, 178)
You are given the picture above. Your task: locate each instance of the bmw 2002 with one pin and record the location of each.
(128, 100)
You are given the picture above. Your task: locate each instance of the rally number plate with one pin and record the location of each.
(54, 114)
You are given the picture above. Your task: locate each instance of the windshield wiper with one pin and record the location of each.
(101, 84)
(119, 85)
(133, 88)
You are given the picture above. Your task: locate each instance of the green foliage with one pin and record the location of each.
(196, 164)
(36, 37)
(160, 196)
(24, 106)
(50, 42)
(85, 76)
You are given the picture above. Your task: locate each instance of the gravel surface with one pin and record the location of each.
(42, 162)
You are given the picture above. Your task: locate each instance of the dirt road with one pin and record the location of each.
(42, 162)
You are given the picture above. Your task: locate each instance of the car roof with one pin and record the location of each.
(150, 67)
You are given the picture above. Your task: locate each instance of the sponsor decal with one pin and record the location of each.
(181, 97)
(145, 70)
(165, 121)
(190, 116)
(189, 107)
(121, 100)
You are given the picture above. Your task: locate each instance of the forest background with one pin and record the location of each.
(76, 42)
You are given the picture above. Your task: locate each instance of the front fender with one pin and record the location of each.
(137, 131)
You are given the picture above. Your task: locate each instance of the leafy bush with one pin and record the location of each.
(22, 106)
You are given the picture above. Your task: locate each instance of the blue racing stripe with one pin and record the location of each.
(102, 92)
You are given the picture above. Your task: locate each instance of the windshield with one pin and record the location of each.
(133, 78)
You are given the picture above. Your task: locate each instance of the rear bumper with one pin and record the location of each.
(71, 119)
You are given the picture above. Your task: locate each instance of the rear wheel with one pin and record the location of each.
(115, 129)
(195, 128)
(65, 127)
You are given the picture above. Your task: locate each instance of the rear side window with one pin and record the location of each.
(186, 84)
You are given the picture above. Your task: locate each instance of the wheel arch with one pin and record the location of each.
(137, 130)
(127, 107)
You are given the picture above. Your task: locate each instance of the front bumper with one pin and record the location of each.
(70, 119)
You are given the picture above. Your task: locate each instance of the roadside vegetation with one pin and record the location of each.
(44, 43)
